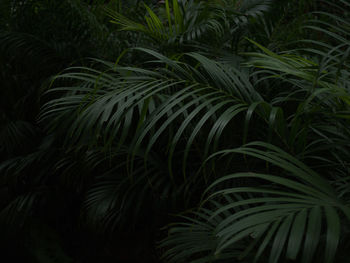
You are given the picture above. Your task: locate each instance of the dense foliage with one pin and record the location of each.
(175, 131)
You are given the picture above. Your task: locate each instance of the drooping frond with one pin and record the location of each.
(289, 214)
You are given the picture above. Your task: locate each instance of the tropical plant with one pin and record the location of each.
(289, 217)
(182, 23)
(120, 147)
(290, 214)
(38, 39)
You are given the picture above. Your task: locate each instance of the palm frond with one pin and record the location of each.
(291, 216)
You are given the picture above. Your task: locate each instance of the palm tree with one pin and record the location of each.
(251, 142)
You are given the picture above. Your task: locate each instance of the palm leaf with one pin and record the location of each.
(294, 215)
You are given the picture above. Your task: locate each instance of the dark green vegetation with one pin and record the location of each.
(183, 131)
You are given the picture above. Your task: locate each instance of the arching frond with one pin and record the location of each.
(291, 213)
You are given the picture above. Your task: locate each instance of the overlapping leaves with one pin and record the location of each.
(290, 214)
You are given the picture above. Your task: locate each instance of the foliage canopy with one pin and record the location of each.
(175, 131)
